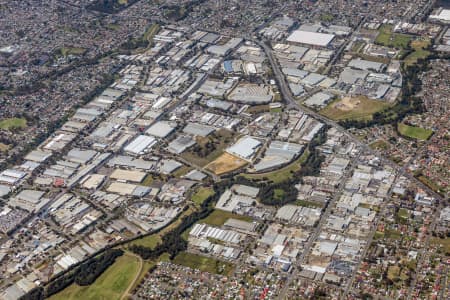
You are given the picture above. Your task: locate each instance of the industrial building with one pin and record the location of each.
(245, 148)
(316, 39)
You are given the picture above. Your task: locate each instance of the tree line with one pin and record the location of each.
(310, 167)
(84, 274)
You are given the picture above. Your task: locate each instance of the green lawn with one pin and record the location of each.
(203, 263)
(387, 38)
(11, 123)
(363, 109)
(151, 32)
(443, 244)
(392, 234)
(282, 174)
(403, 213)
(202, 194)
(278, 194)
(414, 132)
(65, 51)
(110, 285)
(379, 145)
(419, 52)
(307, 203)
(219, 217)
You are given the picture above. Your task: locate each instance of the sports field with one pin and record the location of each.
(226, 163)
(355, 108)
(387, 38)
(414, 132)
(109, 286)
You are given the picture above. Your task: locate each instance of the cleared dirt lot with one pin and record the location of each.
(226, 163)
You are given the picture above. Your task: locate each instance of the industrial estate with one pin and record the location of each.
(224, 149)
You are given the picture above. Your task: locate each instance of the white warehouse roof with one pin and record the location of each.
(310, 38)
(245, 147)
(140, 144)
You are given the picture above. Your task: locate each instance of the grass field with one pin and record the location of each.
(65, 51)
(226, 163)
(3, 147)
(414, 132)
(419, 52)
(356, 108)
(307, 203)
(11, 123)
(219, 217)
(201, 194)
(109, 286)
(387, 38)
(282, 174)
(379, 145)
(220, 139)
(203, 263)
(443, 244)
(151, 32)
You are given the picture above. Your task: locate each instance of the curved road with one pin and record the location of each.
(138, 273)
(293, 104)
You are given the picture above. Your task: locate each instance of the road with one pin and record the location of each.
(318, 229)
(136, 277)
(293, 104)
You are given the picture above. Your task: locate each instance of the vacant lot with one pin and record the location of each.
(226, 163)
(355, 108)
(396, 40)
(282, 174)
(443, 244)
(203, 263)
(201, 194)
(12, 123)
(65, 51)
(414, 132)
(209, 148)
(110, 285)
(219, 217)
(3, 147)
(379, 145)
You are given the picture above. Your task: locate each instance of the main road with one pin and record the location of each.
(291, 103)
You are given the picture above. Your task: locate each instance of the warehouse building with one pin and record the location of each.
(140, 145)
(245, 148)
(161, 129)
(180, 144)
(300, 37)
